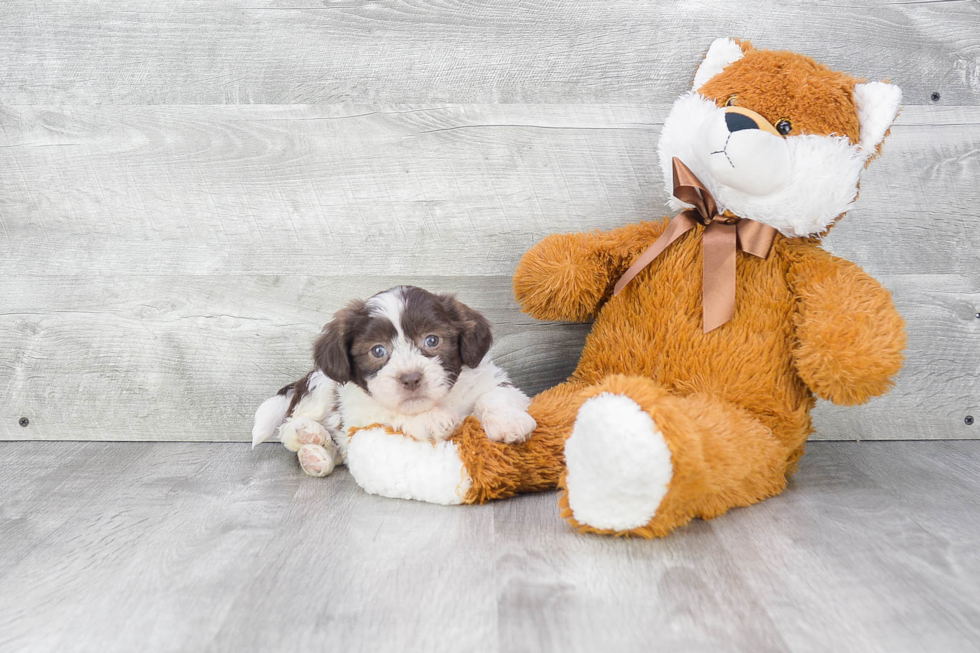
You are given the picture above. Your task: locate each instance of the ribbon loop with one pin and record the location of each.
(723, 235)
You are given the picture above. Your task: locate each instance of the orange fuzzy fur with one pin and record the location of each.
(780, 85)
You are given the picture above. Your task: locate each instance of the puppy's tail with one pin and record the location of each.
(270, 416)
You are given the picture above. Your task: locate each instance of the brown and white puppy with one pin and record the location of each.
(405, 358)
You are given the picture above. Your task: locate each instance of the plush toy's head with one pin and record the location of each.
(775, 136)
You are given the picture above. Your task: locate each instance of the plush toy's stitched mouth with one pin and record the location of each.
(724, 151)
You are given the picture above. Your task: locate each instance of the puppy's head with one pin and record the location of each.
(405, 346)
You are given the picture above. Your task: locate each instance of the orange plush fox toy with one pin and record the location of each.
(715, 330)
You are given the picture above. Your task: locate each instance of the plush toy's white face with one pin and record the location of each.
(794, 181)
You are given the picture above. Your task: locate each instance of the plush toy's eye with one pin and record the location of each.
(431, 341)
(731, 101)
(378, 351)
(784, 127)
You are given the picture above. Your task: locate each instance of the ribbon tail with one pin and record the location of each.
(718, 281)
(680, 225)
(755, 238)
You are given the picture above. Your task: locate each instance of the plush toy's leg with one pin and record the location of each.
(469, 467)
(641, 461)
(500, 470)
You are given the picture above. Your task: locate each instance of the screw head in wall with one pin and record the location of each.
(935, 96)
(23, 421)
(968, 420)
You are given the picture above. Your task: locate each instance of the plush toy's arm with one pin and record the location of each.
(849, 336)
(567, 276)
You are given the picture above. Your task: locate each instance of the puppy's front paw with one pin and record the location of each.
(303, 430)
(315, 460)
(435, 425)
(508, 426)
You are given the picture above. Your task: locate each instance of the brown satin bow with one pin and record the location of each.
(723, 235)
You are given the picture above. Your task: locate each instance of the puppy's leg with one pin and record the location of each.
(317, 453)
(503, 413)
(314, 420)
(298, 431)
(316, 460)
(436, 425)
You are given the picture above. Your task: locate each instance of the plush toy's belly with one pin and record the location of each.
(654, 329)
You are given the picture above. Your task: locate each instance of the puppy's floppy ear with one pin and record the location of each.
(331, 351)
(475, 337)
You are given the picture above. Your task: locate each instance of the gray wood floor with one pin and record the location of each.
(193, 546)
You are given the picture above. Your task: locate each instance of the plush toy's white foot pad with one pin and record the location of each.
(315, 460)
(396, 466)
(618, 464)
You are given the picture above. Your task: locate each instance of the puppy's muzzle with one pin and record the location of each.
(410, 381)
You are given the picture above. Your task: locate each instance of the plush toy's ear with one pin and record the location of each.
(877, 104)
(721, 53)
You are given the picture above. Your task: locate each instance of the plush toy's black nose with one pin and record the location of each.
(737, 122)
(411, 381)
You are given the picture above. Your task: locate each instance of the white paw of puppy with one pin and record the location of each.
(315, 460)
(508, 426)
(302, 430)
(435, 425)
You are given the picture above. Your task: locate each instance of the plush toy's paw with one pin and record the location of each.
(316, 460)
(508, 425)
(618, 465)
(303, 430)
(434, 425)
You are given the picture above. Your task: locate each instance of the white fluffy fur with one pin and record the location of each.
(821, 176)
(878, 104)
(390, 305)
(618, 463)
(268, 417)
(721, 53)
(401, 468)
(503, 413)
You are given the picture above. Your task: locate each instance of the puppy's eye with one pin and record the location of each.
(431, 341)
(784, 127)
(378, 351)
(731, 101)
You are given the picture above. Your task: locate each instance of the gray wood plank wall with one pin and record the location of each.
(189, 188)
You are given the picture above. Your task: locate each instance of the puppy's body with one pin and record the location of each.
(406, 359)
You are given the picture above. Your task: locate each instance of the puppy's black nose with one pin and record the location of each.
(411, 381)
(737, 122)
